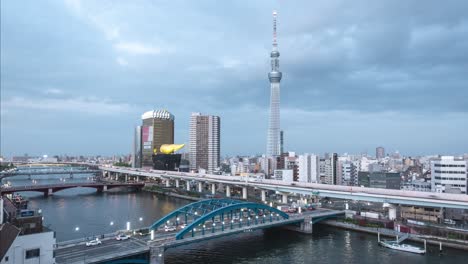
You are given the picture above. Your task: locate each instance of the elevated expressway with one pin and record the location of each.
(392, 197)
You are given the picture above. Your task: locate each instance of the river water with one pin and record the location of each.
(93, 213)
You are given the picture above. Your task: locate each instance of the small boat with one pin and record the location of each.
(402, 247)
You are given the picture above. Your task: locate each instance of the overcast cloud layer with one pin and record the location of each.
(77, 75)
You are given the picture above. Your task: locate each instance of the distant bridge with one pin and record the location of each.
(42, 171)
(52, 188)
(203, 220)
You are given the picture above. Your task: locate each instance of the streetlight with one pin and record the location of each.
(213, 227)
(222, 227)
(77, 228)
(141, 219)
(128, 226)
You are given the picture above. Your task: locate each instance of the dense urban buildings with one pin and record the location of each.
(449, 174)
(204, 142)
(273, 137)
(157, 129)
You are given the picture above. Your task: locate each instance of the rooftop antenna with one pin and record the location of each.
(274, 28)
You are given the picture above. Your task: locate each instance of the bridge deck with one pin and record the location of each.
(42, 188)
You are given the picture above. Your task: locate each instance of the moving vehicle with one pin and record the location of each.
(93, 242)
(122, 237)
(449, 222)
(143, 232)
(170, 228)
(182, 226)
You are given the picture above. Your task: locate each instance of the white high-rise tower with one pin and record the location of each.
(273, 140)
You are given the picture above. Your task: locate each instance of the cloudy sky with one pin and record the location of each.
(77, 75)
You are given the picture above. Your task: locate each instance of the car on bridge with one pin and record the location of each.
(143, 232)
(170, 228)
(93, 242)
(122, 237)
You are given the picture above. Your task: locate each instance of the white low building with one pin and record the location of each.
(284, 175)
(449, 174)
(31, 249)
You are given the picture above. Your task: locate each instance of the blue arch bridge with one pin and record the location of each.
(195, 222)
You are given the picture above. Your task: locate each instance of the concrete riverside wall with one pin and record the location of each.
(458, 244)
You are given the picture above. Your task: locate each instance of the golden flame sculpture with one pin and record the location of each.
(170, 148)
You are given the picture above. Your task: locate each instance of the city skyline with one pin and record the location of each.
(77, 83)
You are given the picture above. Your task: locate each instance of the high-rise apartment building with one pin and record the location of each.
(273, 137)
(157, 129)
(308, 168)
(379, 153)
(449, 174)
(330, 166)
(204, 142)
(136, 153)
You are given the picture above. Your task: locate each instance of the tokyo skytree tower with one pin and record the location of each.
(273, 139)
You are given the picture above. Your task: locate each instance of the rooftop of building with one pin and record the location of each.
(8, 234)
(161, 114)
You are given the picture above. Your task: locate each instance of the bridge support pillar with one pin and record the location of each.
(177, 183)
(263, 195)
(244, 193)
(126, 177)
(187, 185)
(104, 188)
(200, 187)
(306, 226)
(285, 198)
(228, 191)
(213, 188)
(137, 178)
(168, 183)
(49, 192)
(156, 255)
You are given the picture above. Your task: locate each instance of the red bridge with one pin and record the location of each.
(52, 188)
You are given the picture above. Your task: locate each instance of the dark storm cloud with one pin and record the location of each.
(104, 63)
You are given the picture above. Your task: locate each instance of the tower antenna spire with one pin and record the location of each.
(275, 44)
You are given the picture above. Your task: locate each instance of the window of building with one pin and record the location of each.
(32, 253)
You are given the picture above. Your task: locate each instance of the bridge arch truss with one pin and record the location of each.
(218, 214)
